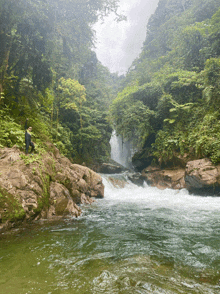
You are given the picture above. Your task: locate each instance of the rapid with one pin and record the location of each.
(135, 240)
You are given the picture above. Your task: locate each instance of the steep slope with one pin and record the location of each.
(169, 107)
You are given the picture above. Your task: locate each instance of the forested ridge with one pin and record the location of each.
(168, 106)
(50, 74)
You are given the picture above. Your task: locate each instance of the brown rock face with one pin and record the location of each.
(43, 186)
(165, 178)
(61, 203)
(201, 174)
(199, 177)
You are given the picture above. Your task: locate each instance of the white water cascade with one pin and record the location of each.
(121, 152)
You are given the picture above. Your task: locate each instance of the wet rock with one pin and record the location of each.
(109, 168)
(118, 182)
(95, 187)
(137, 179)
(202, 176)
(165, 178)
(61, 203)
(86, 200)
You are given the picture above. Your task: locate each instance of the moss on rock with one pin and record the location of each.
(10, 208)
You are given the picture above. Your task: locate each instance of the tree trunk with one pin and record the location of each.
(4, 67)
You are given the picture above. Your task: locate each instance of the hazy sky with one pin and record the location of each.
(118, 44)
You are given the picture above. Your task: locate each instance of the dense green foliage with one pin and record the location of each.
(49, 74)
(172, 91)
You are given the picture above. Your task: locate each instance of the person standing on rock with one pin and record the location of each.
(28, 141)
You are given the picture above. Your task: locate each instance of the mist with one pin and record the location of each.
(118, 44)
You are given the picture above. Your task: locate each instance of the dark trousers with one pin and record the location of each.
(27, 146)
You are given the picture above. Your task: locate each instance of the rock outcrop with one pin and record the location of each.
(112, 167)
(202, 177)
(165, 178)
(46, 186)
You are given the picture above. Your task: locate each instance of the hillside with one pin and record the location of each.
(50, 74)
(169, 104)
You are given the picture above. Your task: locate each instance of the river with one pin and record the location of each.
(135, 240)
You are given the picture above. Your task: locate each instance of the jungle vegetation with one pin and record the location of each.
(169, 105)
(50, 74)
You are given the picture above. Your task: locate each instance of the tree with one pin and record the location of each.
(211, 76)
(172, 88)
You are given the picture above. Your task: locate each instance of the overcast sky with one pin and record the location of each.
(118, 44)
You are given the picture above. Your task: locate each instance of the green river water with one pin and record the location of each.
(135, 240)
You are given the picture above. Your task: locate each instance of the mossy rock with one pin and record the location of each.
(61, 207)
(10, 208)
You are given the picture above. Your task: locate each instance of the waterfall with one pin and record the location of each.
(121, 152)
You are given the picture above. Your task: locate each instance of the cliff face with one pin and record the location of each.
(46, 186)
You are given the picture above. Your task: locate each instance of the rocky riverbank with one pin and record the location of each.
(199, 177)
(46, 186)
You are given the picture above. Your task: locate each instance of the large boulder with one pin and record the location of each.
(109, 167)
(43, 186)
(199, 177)
(164, 178)
(202, 177)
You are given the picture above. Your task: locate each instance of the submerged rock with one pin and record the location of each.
(136, 178)
(46, 186)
